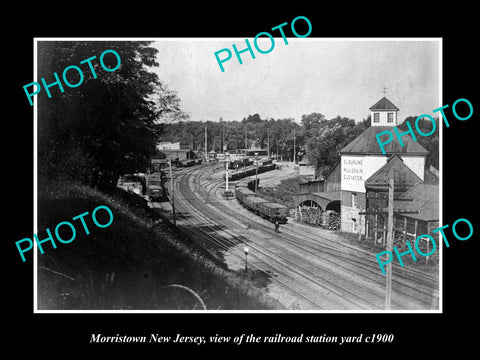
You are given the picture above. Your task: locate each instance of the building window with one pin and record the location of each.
(390, 117)
(354, 200)
(376, 117)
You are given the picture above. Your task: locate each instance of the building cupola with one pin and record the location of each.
(384, 113)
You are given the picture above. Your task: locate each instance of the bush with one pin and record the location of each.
(283, 193)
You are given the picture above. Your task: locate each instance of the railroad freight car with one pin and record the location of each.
(237, 175)
(251, 184)
(186, 163)
(241, 193)
(264, 208)
(268, 167)
(273, 211)
(154, 186)
(253, 203)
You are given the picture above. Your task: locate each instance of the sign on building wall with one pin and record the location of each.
(352, 173)
(357, 169)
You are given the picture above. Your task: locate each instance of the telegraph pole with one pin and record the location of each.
(206, 155)
(276, 142)
(388, 288)
(171, 193)
(223, 139)
(226, 174)
(294, 149)
(256, 171)
(268, 141)
(390, 212)
(246, 139)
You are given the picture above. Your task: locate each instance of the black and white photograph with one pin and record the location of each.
(213, 181)
(265, 186)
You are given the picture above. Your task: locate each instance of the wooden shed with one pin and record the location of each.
(411, 194)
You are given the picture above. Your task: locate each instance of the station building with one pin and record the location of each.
(362, 158)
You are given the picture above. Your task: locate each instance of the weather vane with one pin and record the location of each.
(384, 90)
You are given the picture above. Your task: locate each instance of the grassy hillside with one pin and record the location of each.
(128, 265)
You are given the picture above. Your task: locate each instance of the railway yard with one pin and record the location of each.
(302, 267)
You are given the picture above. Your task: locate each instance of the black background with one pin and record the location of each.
(64, 335)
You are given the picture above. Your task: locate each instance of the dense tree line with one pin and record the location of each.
(325, 138)
(319, 138)
(106, 126)
(251, 132)
(109, 125)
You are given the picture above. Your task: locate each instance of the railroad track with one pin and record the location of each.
(271, 262)
(343, 275)
(414, 283)
(226, 241)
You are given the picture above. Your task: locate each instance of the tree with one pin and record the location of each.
(279, 131)
(167, 105)
(312, 121)
(431, 142)
(252, 119)
(327, 138)
(107, 125)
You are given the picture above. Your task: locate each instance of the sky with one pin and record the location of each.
(329, 76)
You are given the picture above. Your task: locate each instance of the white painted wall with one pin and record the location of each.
(384, 118)
(307, 170)
(416, 164)
(168, 146)
(355, 169)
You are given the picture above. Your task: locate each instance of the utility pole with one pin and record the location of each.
(294, 149)
(223, 140)
(246, 139)
(171, 194)
(256, 171)
(227, 161)
(268, 141)
(206, 155)
(390, 212)
(388, 288)
(276, 142)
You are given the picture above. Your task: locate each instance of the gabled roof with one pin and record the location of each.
(335, 175)
(383, 104)
(404, 177)
(366, 143)
(425, 200)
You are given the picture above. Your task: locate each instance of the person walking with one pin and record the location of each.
(277, 225)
